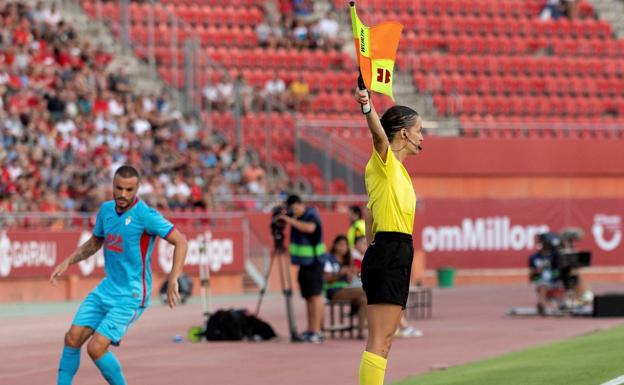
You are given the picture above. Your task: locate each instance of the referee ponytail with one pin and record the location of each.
(397, 118)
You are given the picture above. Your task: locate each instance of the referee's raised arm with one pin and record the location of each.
(380, 140)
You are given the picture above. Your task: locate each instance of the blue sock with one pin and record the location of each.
(70, 361)
(111, 369)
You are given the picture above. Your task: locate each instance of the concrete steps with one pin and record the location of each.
(611, 11)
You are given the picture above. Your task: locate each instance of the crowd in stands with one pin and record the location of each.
(68, 120)
(276, 95)
(293, 25)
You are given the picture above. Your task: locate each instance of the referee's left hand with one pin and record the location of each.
(361, 96)
(173, 296)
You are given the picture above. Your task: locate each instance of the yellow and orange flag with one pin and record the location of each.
(376, 52)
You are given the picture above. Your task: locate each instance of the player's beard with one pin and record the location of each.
(126, 204)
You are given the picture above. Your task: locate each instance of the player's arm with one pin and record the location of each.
(180, 245)
(86, 250)
(380, 140)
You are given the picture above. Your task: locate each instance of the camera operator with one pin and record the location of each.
(543, 272)
(572, 276)
(307, 250)
(555, 270)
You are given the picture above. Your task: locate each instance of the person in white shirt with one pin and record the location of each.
(52, 16)
(65, 126)
(275, 91)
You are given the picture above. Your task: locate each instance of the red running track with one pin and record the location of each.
(468, 325)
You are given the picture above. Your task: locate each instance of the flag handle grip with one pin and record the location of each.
(366, 108)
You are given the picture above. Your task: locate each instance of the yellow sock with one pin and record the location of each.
(372, 369)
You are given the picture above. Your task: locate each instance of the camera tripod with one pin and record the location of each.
(279, 254)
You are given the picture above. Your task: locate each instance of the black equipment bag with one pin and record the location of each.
(236, 325)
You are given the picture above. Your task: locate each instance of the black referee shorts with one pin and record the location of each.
(387, 267)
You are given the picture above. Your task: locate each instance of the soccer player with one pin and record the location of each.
(387, 264)
(127, 228)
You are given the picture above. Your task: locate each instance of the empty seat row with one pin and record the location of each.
(280, 58)
(344, 103)
(520, 85)
(511, 46)
(144, 13)
(533, 27)
(216, 3)
(501, 8)
(528, 106)
(541, 127)
(275, 60)
(283, 122)
(517, 65)
(226, 37)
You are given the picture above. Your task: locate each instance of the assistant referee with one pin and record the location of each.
(387, 264)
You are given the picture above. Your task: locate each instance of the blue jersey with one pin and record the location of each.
(128, 242)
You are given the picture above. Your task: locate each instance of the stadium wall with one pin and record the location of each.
(486, 240)
(515, 168)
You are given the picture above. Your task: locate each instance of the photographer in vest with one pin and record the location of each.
(307, 251)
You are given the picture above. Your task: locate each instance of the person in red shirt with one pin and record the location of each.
(100, 106)
(22, 35)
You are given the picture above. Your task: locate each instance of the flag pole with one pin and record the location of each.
(366, 108)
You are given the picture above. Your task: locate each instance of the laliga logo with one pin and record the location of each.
(88, 265)
(202, 250)
(607, 223)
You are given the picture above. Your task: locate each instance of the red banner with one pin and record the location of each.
(490, 233)
(35, 253)
(466, 234)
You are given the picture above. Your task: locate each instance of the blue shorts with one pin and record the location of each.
(108, 317)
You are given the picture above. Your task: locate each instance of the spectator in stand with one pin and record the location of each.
(52, 16)
(253, 172)
(264, 36)
(299, 93)
(248, 95)
(301, 34)
(278, 35)
(551, 10)
(555, 9)
(119, 82)
(38, 14)
(286, 9)
(326, 32)
(211, 96)
(572, 9)
(303, 9)
(275, 92)
(225, 90)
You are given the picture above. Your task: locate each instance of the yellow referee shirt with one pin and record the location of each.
(391, 196)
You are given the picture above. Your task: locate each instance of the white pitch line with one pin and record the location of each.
(615, 381)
